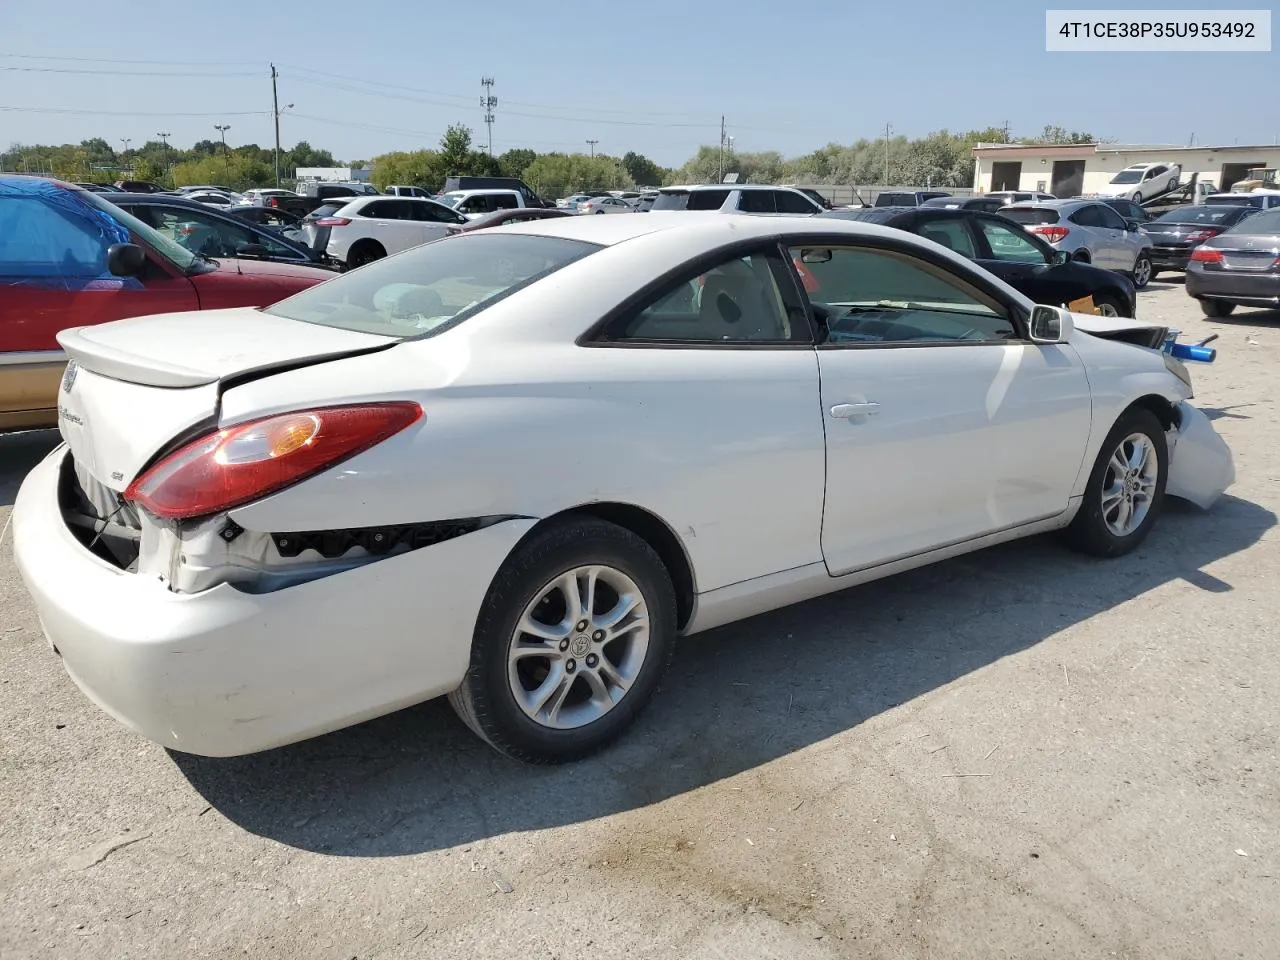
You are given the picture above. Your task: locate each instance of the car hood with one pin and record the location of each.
(270, 268)
(1123, 329)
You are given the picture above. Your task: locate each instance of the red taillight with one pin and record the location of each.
(250, 460)
(1206, 255)
(1052, 233)
(1199, 236)
(332, 222)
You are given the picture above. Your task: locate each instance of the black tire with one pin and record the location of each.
(1088, 532)
(1137, 198)
(1142, 271)
(1216, 308)
(1154, 273)
(485, 701)
(364, 251)
(1101, 300)
(1082, 256)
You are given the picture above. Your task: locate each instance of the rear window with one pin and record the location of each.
(1234, 200)
(690, 200)
(1267, 222)
(1199, 214)
(1030, 215)
(430, 288)
(896, 200)
(328, 209)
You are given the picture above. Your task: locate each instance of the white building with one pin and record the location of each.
(332, 174)
(1069, 170)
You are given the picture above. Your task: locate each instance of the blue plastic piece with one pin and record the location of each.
(1189, 351)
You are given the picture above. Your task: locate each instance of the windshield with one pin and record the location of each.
(171, 250)
(1267, 222)
(1128, 176)
(430, 288)
(1217, 214)
(449, 199)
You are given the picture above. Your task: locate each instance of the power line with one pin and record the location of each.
(134, 113)
(126, 73)
(171, 63)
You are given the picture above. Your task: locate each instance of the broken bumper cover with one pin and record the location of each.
(1201, 466)
(223, 672)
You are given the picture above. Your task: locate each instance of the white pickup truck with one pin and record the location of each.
(476, 203)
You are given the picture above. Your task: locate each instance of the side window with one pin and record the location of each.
(756, 201)
(739, 300)
(506, 201)
(1109, 218)
(952, 233)
(1008, 243)
(871, 296)
(37, 240)
(707, 199)
(1087, 216)
(387, 210)
(789, 202)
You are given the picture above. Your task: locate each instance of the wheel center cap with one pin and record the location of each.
(580, 645)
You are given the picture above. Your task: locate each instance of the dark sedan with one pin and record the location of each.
(1020, 259)
(514, 215)
(1176, 233)
(214, 234)
(1238, 267)
(982, 204)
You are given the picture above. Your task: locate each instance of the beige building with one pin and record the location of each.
(1074, 169)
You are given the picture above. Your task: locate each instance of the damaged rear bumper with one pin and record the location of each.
(1201, 465)
(225, 672)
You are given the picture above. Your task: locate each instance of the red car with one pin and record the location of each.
(69, 258)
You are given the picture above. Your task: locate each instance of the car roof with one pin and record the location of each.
(608, 231)
(1058, 204)
(724, 186)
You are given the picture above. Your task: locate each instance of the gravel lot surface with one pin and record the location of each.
(1022, 753)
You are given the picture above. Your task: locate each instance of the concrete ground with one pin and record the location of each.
(1022, 753)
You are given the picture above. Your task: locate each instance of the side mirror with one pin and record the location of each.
(252, 250)
(125, 259)
(1132, 225)
(1051, 324)
(1061, 257)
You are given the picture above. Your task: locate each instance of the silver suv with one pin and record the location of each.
(736, 198)
(1091, 232)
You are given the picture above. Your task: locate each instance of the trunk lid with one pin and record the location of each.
(134, 385)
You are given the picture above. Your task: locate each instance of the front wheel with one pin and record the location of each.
(1126, 487)
(1110, 306)
(1137, 197)
(1142, 271)
(1216, 308)
(575, 633)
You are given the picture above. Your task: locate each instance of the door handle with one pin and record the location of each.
(845, 411)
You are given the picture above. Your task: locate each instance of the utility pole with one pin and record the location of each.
(222, 128)
(888, 129)
(1006, 131)
(275, 112)
(720, 175)
(593, 147)
(488, 101)
(164, 139)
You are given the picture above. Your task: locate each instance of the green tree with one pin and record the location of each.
(418, 168)
(513, 163)
(643, 171)
(455, 148)
(1060, 135)
(559, 174)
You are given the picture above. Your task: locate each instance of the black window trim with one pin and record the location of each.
(971, 277)
(797, 308)
(249, 226)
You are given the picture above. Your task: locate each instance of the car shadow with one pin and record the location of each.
(19, 452)
(736, 698)
(1227, 413)
(1247, 316)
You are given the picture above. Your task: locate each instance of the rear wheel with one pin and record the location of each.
(1126, 488)
(1082, 256)
(1142, 270)
(575, 633)
(365, 251)
(1216, 308)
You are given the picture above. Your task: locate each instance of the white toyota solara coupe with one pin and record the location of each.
(513, 466)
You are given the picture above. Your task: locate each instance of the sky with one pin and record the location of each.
(366, 78)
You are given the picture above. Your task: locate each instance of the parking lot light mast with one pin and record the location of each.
(888, 129)
(593, 147)
(164, 140)
(222, 128)
(126, 141)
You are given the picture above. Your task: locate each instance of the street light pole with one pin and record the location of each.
(593, 146)
(164, 139)
(126, 141)
(222, 128)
